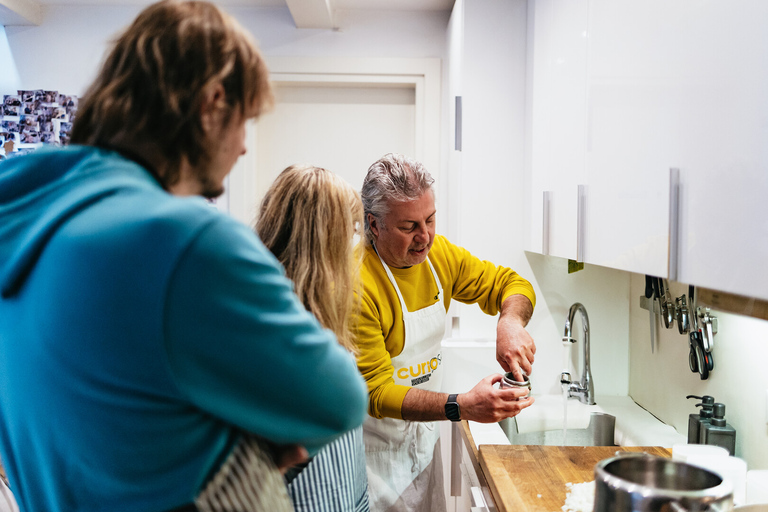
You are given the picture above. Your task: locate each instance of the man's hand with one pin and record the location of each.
(514, 346)
(486, 404)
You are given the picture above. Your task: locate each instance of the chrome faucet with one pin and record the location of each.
(584, 390)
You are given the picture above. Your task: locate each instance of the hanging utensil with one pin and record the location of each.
(699, 360)
(667, 307)
(681, 315)
(708, 327)
(649, 294)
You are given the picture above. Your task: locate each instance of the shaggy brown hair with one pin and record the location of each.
(152, 85)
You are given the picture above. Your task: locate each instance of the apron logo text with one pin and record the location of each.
(421, 372)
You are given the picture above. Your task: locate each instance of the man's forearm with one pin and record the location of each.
(484, 403)
(517, 307)
(423, 405)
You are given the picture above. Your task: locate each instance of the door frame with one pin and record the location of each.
(421, 74)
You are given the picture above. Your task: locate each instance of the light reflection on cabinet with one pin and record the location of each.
(653, 85)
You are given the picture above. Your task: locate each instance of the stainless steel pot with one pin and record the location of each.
(646, 483)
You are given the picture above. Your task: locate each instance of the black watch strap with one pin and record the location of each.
(452, 410)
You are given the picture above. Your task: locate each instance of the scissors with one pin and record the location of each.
(699, 359)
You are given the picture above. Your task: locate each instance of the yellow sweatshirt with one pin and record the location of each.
(380, 332)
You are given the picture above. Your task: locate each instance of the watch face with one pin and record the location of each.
(452, 411)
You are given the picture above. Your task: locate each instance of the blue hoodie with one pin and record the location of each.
(140, 335)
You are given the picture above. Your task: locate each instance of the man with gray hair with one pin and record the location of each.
(409, 277)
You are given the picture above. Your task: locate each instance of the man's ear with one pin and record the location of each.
(212, 107)
(373, 223)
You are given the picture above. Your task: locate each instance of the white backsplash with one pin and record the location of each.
(605, 294)
(660, 381)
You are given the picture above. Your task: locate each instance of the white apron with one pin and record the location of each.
(403, 457)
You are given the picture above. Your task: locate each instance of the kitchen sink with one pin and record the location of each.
(599, 432)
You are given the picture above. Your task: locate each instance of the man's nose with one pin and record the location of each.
(422, 234)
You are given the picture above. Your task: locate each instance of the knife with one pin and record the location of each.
(650, 290)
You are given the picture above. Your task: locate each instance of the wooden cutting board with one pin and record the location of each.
(532, 478)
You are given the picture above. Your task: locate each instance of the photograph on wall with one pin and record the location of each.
(60, 113)
(30, 122)
(11, 110)
(67, 101)
(49, 98)
(9, 126)
(64, 132)
(30, 96)
(12, 100)
(30, 136)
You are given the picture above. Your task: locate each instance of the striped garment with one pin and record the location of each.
(335, 480)
(247, 481)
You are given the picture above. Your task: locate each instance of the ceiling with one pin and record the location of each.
(306, 13)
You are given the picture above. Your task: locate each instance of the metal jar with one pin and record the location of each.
(509, 382)
(646, 483)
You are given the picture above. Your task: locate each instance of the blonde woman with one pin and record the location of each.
(309, 219)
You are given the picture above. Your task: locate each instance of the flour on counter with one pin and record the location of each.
(580, 497)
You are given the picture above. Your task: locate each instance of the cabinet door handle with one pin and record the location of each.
(581, 220)
(477, 497)
(457, 127)
(545, 222)
(673, 255)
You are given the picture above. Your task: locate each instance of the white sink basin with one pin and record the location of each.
(634, 425)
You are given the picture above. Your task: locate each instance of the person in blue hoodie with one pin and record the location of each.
(153, 355)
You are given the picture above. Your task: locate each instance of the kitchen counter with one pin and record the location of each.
(522, 478)
(532, 478)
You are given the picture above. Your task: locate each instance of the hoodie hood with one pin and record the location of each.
(39, 192)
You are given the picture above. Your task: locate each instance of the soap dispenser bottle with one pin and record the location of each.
(718, 432)
(696, 420)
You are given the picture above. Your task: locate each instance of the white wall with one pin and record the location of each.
(65, 51)
(660, 381)
(9, 75)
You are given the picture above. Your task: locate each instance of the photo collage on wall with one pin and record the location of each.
(31, 119)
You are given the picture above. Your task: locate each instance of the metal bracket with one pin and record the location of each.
(654, 304)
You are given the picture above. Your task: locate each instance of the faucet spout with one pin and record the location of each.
(584, 390)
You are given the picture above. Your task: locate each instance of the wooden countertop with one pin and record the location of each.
(532, 478)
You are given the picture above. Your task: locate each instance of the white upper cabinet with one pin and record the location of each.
(724, 149)
(631, 131)
(557, 63)
(653, 86)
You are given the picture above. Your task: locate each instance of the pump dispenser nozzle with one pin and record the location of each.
(718, 432)
(697, 421)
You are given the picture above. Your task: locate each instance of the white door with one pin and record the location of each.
(339, 127)
(340, 114)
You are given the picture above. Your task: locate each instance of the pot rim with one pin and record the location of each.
(722, 490)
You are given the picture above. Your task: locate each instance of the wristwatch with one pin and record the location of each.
(452, 410)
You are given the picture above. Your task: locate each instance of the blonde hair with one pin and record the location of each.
(309, 219)
(153, 83)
